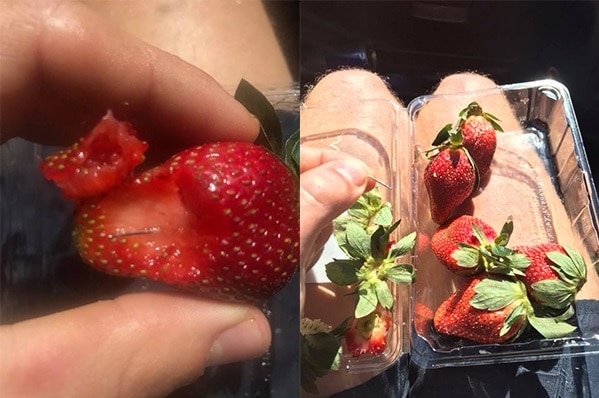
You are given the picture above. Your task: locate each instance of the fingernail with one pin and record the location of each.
(243, 341)
(353, 170)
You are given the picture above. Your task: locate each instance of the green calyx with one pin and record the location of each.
(572, 271)
(494, 256)
(365, 235)
(495, 293)
(320, 351)
(474, 109)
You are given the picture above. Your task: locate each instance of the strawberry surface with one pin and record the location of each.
(220, 220)
(450, 179)
(96, 163)
(480, 138)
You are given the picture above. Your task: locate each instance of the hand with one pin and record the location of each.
(62, 67)
(330, 182)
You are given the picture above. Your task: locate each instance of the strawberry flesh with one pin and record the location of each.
(98, 162)
(369, 334)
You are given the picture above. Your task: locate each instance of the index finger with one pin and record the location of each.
(63, 67)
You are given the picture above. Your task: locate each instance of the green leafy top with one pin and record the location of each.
(364, 234)
(491, 256)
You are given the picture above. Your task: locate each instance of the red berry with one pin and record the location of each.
(450, 179)
(220, 220)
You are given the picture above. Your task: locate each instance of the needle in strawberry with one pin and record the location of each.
(220, 220)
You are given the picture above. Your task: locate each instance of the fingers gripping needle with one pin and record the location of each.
(379, 182)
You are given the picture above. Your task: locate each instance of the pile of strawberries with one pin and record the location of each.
(507, 289)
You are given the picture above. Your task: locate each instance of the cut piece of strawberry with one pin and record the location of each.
(369, 333)
(98, 162)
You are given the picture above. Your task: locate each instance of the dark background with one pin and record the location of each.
(417, 43)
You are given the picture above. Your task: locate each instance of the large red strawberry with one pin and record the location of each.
(219, 220)
(468, 245)
(495, 309)
(99, 161)
(369, 333)
(450, 178)
(487, 310)
(479, 135)
(555, 274)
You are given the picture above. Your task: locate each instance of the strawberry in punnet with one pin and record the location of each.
(493, 310)
(479, 134)
(556, 273)
(468, 245)
(487, 310)
(220, 220)
(99, 161)
(450, 178)
(368, 334)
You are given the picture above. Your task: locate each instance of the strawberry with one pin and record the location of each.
(368, 334)
(220, 220)
(556, 273)
(468, 245)
(486, 310)
(423, 317)
(494, 309)
(97, 162)
(479, 134)
(478, 131)
(450, 178)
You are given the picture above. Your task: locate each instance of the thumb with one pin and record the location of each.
(326, 191)
(143, 344)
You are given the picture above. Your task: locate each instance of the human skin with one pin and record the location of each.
(358, 98)
(63, 65)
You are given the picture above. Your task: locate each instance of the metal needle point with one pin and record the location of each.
(379, 182)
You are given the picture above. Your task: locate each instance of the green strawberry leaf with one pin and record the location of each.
(403, 246)
(443, 135)
(384, 215)
(514, 316)
(570, 267)
(495, 293)
(506, 232)
(271, 136)
(292, 152)
(383, 294)
(466, 256)
(343, 272)
(358, 240)
(402, 273)
(550, 328)
(320, 353)
(366, 300)
(554, 293)
(380, 240)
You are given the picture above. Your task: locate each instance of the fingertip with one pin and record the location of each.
(353, 171)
